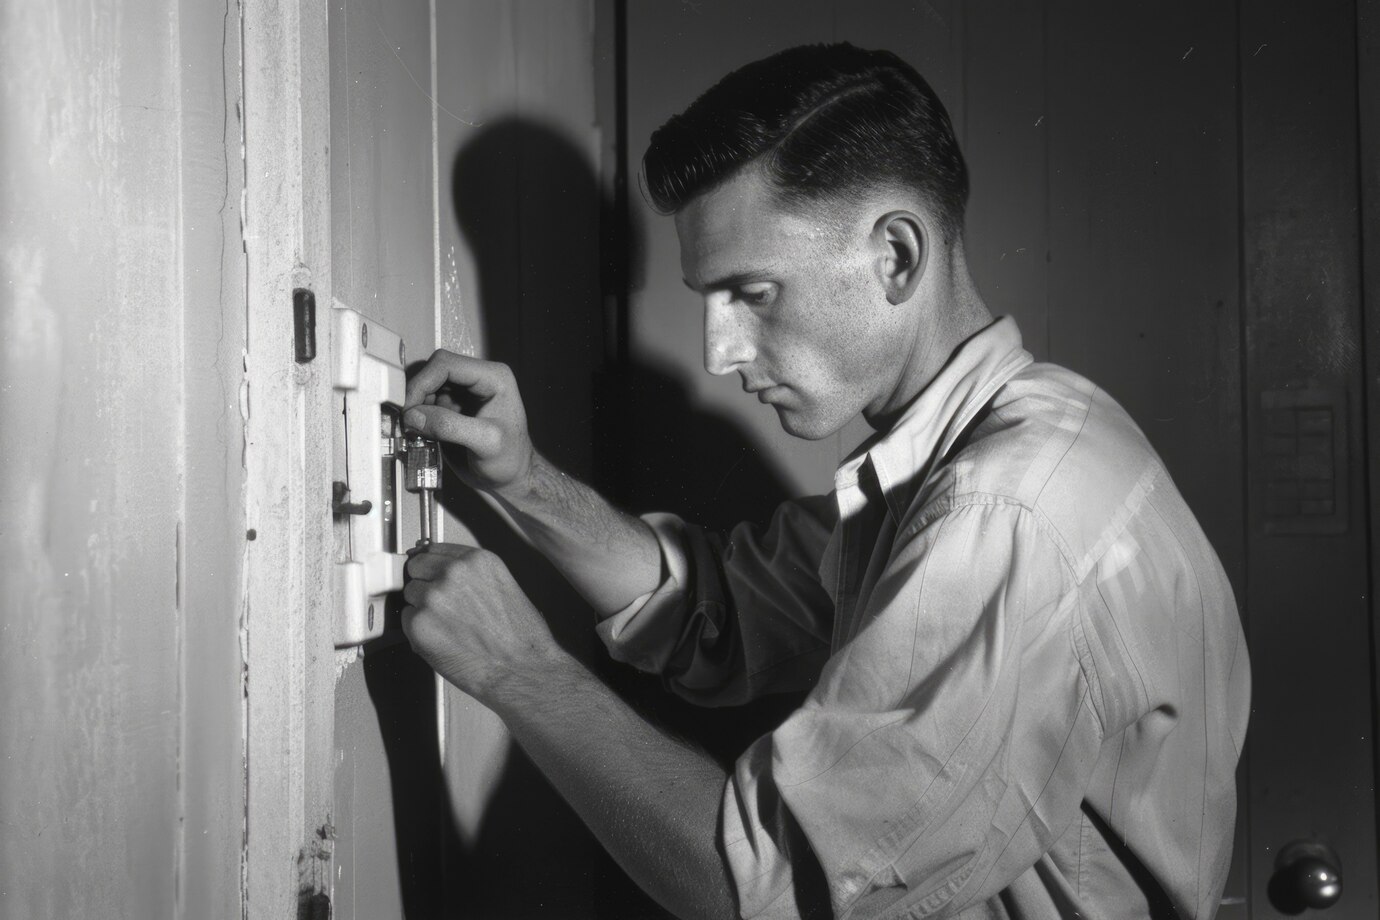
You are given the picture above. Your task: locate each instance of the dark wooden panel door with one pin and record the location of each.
(1310, 763)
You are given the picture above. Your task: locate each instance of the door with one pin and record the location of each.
(1165, 197)
(465, 199)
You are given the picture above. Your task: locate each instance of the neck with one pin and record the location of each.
(948, 314)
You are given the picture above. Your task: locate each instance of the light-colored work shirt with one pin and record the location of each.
(1029, 680)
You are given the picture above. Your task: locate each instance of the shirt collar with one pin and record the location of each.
(902, 457)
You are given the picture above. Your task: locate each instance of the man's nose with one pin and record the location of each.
(728, 338)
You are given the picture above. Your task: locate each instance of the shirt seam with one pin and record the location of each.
(982, 397)
(941, 507)
(1087, 665)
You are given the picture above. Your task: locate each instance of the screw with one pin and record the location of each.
(364, 335)
(402, 353)
(371, 616)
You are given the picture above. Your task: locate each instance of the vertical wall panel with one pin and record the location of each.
(1368, 86)
(1143, 239)
(1006, 143)
(214, 530)
(90, 442)
(697, 441)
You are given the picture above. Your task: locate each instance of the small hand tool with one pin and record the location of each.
(424, 477)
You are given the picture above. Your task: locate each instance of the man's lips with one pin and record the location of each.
(764, 392)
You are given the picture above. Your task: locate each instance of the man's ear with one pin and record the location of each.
(905, 245)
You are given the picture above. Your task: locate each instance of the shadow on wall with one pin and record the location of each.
(531, 209)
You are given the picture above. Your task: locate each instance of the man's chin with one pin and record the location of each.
(805, 426)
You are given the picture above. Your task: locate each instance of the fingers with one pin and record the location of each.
(481, 436)
(414, 592)
(484, 379)
(429, 562)
(453, 550)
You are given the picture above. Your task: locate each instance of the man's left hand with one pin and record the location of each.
(469, 619)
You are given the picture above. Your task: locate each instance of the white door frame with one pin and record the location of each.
(287, 621)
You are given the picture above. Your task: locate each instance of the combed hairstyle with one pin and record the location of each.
(822, 122)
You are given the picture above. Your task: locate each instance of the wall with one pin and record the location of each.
(466, 212)
(382, 199)
(121, 323)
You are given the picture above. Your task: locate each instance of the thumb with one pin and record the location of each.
(441, 424)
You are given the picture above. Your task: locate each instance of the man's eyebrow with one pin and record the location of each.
(727, 281)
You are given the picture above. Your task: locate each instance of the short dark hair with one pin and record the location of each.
(823, 121)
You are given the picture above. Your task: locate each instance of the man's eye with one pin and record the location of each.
(756, 295)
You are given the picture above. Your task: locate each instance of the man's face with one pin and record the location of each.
(793, 303)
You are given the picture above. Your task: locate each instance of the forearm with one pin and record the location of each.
(650, 800)
(610, 557)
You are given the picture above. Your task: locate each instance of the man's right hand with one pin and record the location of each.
(611, 558)
(474, 405)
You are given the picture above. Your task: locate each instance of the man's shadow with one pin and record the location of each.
(553, 258)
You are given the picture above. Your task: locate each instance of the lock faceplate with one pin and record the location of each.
(367, 368)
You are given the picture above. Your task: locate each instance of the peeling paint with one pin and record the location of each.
(344, 657)
(314, 875)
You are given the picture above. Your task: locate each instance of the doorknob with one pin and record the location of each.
(1307, 874)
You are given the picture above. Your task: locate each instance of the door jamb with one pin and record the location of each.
(286, 629)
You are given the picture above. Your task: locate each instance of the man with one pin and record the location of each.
(1029, 682)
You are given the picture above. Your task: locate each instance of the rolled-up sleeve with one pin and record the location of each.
(733, 619)
(947, 744)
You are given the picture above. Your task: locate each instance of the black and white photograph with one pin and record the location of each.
(700, 459)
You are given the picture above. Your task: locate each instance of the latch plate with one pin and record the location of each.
(368, 369)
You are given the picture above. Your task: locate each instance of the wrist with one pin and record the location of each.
(531, 680)
(519, 492)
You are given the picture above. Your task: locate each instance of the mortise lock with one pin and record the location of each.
(369, 378)
(375, 463)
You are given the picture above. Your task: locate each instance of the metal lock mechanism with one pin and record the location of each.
(368, 368)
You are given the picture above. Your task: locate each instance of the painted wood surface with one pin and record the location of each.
(215, 536)
(1311, 747)
(466, 213)
(695, 436)
(381, 230)
(121, 324)
(518, 234)
(1368, 86)
(288, 612)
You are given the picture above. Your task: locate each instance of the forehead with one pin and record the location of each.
(739, 228)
